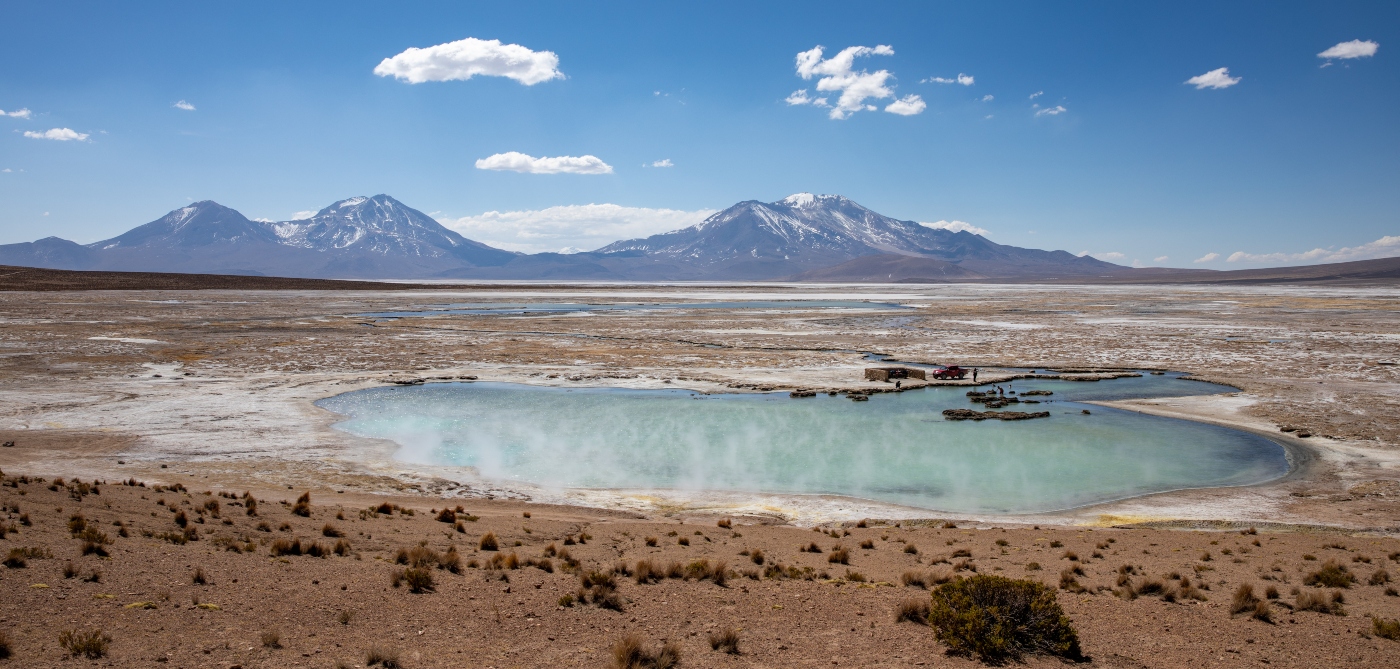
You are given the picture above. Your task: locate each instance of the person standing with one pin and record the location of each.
(974, 375)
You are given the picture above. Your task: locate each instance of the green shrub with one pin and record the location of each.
(998, 618)
(92, 645)
(1386, 629)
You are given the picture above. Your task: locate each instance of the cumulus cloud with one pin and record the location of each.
(1111, 255)
(664, 162)
(1052, 111)
(837, 75)
(58, 134)
(1036, 95)
(964, 79)
(987, 98)
(572, 227)
(18, 113)
(955, 226)
(467, 58)
(303, 215)
(800, 98)
(514, 161)
(1349, 50)
(1385, 247)
(1207, 257)
(908, 105)
(1217, 78)
(1159, 259)
(183, 105)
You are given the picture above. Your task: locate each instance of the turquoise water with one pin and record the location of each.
(894, 448)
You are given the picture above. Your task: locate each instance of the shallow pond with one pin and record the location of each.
(895, 448)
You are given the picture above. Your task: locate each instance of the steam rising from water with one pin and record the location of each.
(894, 448)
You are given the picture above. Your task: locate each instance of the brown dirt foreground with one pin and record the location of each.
(330, 611)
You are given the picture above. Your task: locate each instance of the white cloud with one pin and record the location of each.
(987, 98)
(800, 98)
(955, 226)
(1036, 95)
(1052, 111)
(466, 58)
(18, 113)
(1207, 257)
(58, 134)
(836, 75)
(964, 79)
(183, 105)
(1385, 247)
(7, 170)
(1160, 259)
(514, 161)
(908, 105)
(1111, 255)
(1218, 78)
(1353, 49)
(665, 162)
(263, 219)
(572, 227)
(303, 215)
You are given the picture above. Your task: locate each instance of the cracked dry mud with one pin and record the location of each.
(214, 390)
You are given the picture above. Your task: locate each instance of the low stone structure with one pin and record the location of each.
(893, 373)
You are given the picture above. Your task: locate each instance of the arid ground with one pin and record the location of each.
(213, 389)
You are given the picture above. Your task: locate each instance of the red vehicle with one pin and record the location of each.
(953, 372)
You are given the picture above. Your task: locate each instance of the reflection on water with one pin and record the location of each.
(895, 448)
(504, 309)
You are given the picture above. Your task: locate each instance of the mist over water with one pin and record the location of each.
(895, 448)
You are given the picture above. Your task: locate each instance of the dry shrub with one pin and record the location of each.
(1319, 602)
(70, 571)
(1069, 583)
(284, 547)
(489, 543)
(342, 547)
(447, 516)
(651, 541)
(250, 504)
(962, 553)
(757, 557)
(1379, 577)
(1385, 629)
(629, 653)
(912, 610)
(91, 644)
(913, 579)
(317, 549)
(646, 572)
(839, 555)
(812, 548)
(5, 650)
(911, 549)
(725, 642)
(855, 576)
(683, 541)
(384, 657)
(198, 578)
(271, 639)
(1032, 566)
(1262, 612)
(867, 544)
(452, 561)
(1244, 599)
(303, 506)
(418, 580)
(1331, 575)
(725, 523)
(997, 619)
(329, 530)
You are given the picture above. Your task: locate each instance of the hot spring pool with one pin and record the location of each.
(896, 448)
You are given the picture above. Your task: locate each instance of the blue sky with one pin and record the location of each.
(1301, 153)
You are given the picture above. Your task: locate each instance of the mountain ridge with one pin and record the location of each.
(378, 237)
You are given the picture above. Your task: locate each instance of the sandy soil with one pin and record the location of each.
(214, 390)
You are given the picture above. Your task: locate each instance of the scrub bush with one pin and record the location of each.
(998, 618)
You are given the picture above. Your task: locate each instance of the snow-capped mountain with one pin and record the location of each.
(805, 231)
(360, 237)
(802, 236)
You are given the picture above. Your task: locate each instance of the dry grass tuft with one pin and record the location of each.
(384, 657)
(757, 557)
(329, 530)
(725, 642)
(912, 610)
(1379, 577)
(303, 506)
(5, 650)
(91, 644)
(1385, 629)
(419, 580)
(629, 653)
(913, 579)
(1319, 602)
(651, 541)
(488, 542)
(1244, 600)
(725, 523)
(198, 577)
(1331, 575)
(839, 555)
(271, 639)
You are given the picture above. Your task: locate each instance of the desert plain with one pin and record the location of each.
(158, 406)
